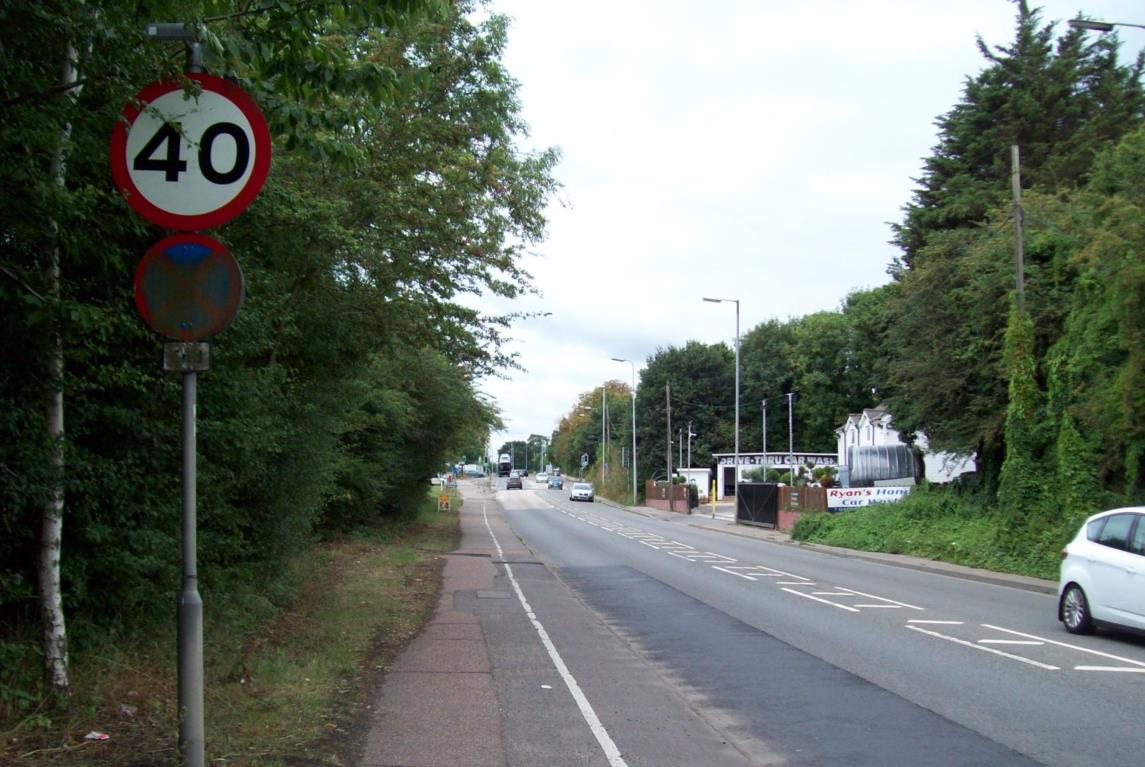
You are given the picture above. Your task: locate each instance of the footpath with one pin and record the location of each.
(438, 707)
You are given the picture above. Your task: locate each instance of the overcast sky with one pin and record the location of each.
(752, 150)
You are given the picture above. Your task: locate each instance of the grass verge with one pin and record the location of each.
(283, 687)
(941, 525)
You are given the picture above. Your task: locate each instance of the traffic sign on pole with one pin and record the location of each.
(188, 287)
(191, 161)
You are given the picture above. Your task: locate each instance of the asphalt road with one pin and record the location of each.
(637, 640)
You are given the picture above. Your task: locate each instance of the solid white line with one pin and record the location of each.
(787, 583)
(884, 607)
(984, 649)
(721, 556)
(611, 752)
(935, 623)
(881, 599)
(824, 601)
(1121, 669)
(1066, 644)
(832, 593)
(730, 572)
(1011, 641)
(678, 556)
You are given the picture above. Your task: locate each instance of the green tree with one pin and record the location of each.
(702, 380)
(349, 372)
(1061, 104)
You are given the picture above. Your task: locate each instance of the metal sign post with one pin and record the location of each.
(190, 358)
(189, 161)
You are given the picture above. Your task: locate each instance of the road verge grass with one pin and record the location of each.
(942, 525)
(284, 686)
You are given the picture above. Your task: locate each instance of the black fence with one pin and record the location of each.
(757, 503)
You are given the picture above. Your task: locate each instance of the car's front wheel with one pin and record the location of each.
(1075, 611)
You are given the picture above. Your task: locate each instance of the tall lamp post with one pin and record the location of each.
(1100, 26)
(633, 364)
(735, 473)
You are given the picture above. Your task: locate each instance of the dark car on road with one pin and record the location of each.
(514, 482)
(556, 482)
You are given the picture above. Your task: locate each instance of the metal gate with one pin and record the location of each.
(757, 503)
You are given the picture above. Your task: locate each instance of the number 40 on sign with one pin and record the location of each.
(191, 161)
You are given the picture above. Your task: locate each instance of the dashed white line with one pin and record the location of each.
(732, 572)
(1067, 644)
(824, 601)
(881, 599)
(963, 642)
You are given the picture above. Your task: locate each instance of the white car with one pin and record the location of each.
(1103, 573)
(581, 491)
(541, 477)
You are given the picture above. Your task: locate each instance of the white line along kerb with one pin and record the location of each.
(611, 752)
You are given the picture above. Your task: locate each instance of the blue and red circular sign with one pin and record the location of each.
(188, 287)
(191, 161)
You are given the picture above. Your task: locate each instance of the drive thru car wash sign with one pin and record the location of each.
(190, 161)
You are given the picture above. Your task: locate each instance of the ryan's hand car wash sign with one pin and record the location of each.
(839, 498)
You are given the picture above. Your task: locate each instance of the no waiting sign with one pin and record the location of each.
(188, 287)
(190, 162)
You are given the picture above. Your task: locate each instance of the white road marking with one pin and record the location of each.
(881, 599)
(732, 572)
(1120, 669)
(824, 601)
(1067, 644)
(611, 752)
(963, 642)
(1011, 642)
(936, 623)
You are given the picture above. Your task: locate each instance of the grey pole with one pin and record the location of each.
(190, 358)
(765, 436)
(735, 472)
(737, 405)
(791, 435)
(190, 627)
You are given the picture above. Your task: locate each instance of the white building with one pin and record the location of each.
(872, 427)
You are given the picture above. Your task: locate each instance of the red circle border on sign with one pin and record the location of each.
(238, 203)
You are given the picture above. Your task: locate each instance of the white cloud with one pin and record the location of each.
(751, 150)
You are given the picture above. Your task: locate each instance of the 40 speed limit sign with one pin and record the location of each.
(190, 161)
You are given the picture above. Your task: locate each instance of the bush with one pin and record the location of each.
(938, 523)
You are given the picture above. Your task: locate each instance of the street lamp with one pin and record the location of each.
(735, 301)
(1100, 26)
(633, 364)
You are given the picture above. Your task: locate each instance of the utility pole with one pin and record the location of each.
(1019, 246)
(671, 494)
(764, 404)
(604, 430)
(791, 434)
(680, 447)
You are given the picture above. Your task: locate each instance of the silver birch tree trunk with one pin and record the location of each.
(51, 597)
